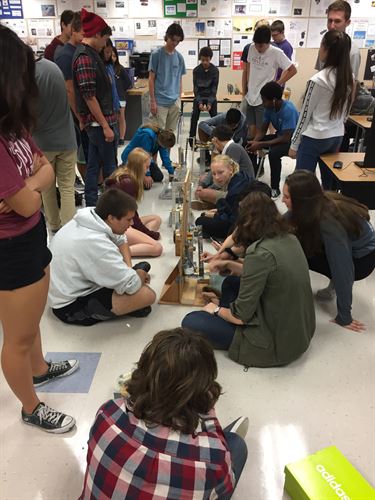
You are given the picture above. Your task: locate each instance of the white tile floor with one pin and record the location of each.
(325, 398)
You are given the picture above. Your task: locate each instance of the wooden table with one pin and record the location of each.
(188, 97)
(362, 124)
(137, 107)
(356, 182)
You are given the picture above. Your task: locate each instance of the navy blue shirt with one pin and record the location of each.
(64, 59)
(284, 119)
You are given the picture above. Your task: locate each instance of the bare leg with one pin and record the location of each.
(152, 222)
(124, 304)
(142, 245)
(122, 123)
(21, 351)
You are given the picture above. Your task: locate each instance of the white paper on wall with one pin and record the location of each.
(317, 29)
(301, 8)
(74, 5)
(112, 8)
(41, 28)
(121, 28)
(363, 9)
(279, 8)
(19, 26)
(162, 25)
(318, 8)
(145, 45)
(296, 32)
(256, 7)
(214, 8)
(145, 27)
(39, 8)
(240, 9)
(149, 9)
(219, 27)
(189, 28)
(358, 32)
(239, 42)
(189, 51)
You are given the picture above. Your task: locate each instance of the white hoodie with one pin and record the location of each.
(86, 257)
(314, 120)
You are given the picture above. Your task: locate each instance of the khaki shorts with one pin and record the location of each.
(167, 117)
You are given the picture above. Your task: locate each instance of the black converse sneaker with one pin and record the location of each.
(55, 370)
(49, 420)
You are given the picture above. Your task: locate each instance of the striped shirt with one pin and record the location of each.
(127, 459)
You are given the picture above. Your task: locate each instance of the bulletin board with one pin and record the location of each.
(221, 48)
(11, 10)
(180, 8)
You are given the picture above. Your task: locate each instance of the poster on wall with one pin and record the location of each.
(279, 8)
(74, 5)
(219, 27)
(180, 8)
(35, 9)
(243, 25)
(301, 8)
(121, 27)
(112, 8)
(296, 31)
(221, 49)
(11, 9)
(19, 26)
(319, 8)
(144, 27)
(214, 8)
(149, 9)
(41, 28)
(162, 25)
(238, 44)
(189, 51)
(317, 28)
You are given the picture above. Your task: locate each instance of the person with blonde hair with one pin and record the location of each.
(226, 174)
(142, 236)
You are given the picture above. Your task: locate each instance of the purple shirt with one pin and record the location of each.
(288, 51)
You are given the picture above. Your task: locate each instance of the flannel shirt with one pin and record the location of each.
(85, 74)
(128, 460)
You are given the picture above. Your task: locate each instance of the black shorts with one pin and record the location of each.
(86, 311)
(23, 258)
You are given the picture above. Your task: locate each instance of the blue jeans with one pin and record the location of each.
(102, 154)
(309, 152)
(216, 330)
(238, 453)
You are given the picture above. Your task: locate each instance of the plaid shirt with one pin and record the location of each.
(85, 74)
(128, 460)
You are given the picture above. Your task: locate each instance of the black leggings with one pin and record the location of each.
(363, 266)
(214, 228)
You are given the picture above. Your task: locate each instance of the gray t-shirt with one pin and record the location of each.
(355, 61)
(55, 128)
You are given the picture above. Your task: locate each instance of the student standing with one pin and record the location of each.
(123, 84)
(166, 68)
(320, 128)
(93, 92)
(24, 255)
(205, 82)
(279, 41)
(59, 41)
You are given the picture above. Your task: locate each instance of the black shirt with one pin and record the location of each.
(205, 83)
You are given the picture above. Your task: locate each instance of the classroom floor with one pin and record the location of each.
(325, 398)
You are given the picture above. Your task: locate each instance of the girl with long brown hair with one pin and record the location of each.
(320, 128)
(336, 236)
(265, 315)
(142, 236)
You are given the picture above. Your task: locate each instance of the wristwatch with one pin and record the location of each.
(216, 310)
(231, 253)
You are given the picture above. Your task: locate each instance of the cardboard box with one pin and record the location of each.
(326, 475)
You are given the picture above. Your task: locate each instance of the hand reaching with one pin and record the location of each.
(354, 326)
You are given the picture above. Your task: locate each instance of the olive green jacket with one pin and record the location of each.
(275, 302)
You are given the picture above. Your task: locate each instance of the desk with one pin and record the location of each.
(353, 181)
(362, 124)
(188, 97)
(137, 107)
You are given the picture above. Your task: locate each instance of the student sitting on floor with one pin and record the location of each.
(337, 237)
(154, 140)
(283, 116)
(207, 191)
(163, 439)
(91, 275)
(226, 176)
(205, 81)
(142, 236)
(265, 316)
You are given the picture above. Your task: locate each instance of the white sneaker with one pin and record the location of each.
(327, 293)
(241, 427)
(275, 193)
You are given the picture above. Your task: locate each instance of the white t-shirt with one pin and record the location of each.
(263, 69)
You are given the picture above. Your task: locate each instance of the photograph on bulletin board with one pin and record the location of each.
(180, 8)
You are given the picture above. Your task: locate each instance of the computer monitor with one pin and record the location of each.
(140, 64)
(369, 160)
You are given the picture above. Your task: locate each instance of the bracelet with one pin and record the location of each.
(231, 253)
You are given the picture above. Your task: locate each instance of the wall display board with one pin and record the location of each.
(19, 26)
(301, 8)
(189, 51)
(296, 31)
(214, 8)
(39, 8)
(121, 28)
(221, 49)
(11, 9)
(149, 9)
(215, 28)
(238, 44)
(74, 5)
(180, 8)
(112, 8)
(317, 29)
(41, 28)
